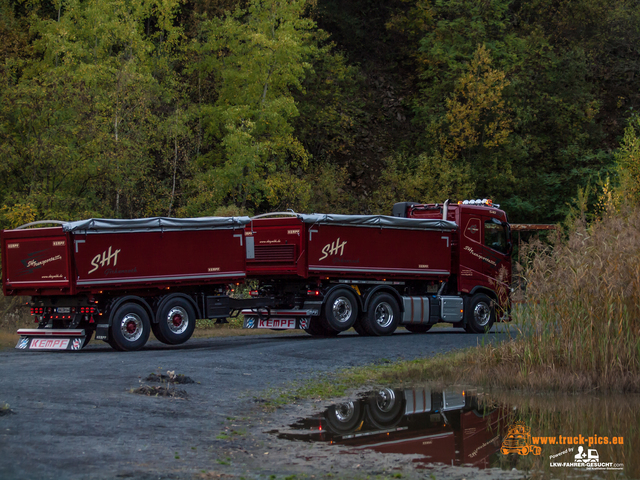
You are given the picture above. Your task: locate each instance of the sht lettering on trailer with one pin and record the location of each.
(104, 259)
(333, 248)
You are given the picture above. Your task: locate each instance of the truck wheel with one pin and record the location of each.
(112, 344)
(343, 418)
(88, 334)
(385, 407)
(480, 313)
(418, 328)
(176, 322)
(341, 310)
(130, 328)
(383, 315)
(317, 329)
(360, 330)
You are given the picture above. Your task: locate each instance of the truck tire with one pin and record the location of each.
(385, 407)
(480, 313)
(88, 336)
(317, 329)
(130, 328)
(383, 315)
(340, 310)
(360, 330)
(344, 417)
(176, 321)
(418, 328)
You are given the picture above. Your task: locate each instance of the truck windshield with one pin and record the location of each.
(495, 235)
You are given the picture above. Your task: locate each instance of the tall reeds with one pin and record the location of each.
(582, 303)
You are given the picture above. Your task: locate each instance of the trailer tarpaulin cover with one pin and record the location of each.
(379, 221)
(107, 225)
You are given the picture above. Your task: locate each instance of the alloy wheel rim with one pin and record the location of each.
(384, 314)
(344, 411)
(482, 314)
(131, 327)
(386, 399)
(177, 320)
(341, 309)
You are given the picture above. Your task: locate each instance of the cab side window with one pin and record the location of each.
(495, 236)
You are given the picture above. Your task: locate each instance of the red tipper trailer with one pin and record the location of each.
(424, 265)
(346, 245)
(121, 278)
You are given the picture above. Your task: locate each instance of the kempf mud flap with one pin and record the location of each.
(47, 339)
(277, 319)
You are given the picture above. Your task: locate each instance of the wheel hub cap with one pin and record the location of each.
(482, 314)
(131, 327)
(386, 399)
(344, 411)
(384, 314)
(341, 309)
(177, 320)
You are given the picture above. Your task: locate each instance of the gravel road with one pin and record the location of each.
(73, 416)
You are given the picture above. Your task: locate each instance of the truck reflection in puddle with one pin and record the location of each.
(453, 426)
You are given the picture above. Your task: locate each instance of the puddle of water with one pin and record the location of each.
(556, 436)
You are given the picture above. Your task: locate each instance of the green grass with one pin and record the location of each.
(441, 369)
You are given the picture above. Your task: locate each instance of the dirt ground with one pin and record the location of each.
(77, 416)
(262, 454)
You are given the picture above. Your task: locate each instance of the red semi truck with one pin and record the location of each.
(322, 273)
(423, 265)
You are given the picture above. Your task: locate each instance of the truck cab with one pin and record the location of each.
(482, 259)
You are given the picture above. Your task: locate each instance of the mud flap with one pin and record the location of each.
(47, 339)
(276, 322)
(102, 331)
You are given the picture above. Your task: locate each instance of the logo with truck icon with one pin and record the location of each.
(518, 440)
(591, 457)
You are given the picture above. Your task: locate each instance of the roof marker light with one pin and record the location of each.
(485, 201)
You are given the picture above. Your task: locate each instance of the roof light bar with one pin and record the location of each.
(487, 202)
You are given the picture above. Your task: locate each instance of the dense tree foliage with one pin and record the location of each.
(202, 107)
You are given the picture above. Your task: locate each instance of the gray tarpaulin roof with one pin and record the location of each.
(379, 221)
(108, 225)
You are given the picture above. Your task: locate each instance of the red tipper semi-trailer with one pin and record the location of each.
(423, 265)
(123, 278)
